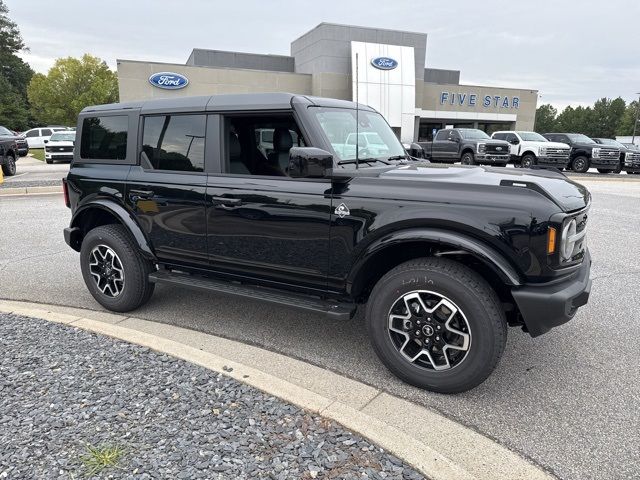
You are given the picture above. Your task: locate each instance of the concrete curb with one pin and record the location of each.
(436, 446)
(30, 190)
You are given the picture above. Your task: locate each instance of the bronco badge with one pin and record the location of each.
(341, 210)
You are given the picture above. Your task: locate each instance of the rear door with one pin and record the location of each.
(166, 189)
(440, 149)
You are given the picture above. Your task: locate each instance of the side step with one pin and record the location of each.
(332, 309)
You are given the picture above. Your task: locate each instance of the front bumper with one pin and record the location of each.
(546, 306)
(553, 161)
(58, 155)
(491, 158)
(605, 164)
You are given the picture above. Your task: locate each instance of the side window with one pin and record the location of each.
(511, 138)
(104, 138)
(259, 145)
(442, 135)
(453, 135)
(33, 133)
(46, 132)
(500, 136)
(175, 142)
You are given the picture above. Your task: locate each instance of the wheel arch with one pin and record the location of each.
(106, 212)
(467, 149)
(384, 254)
(528, 152)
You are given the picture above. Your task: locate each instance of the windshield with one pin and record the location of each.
(578, 137)
(375, 138)
(532, 137)
(63, 137)
(4, 131)
(632, 146)
(610, 141)
(473, 134)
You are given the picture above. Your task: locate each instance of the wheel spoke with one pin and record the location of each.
(107, 270)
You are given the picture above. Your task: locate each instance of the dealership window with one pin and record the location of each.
(104, 138)
(174, 142)
(259, 145)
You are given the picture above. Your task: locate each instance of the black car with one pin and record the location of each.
(23, 145)
(442, 259)
(469, 146)
(586, 154)
(629, 155)
(8, 152)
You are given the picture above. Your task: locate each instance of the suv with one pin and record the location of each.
(8, 152)
(469, 146)
(629, 156)
(586, 154)
(176, 192)
(531, 148)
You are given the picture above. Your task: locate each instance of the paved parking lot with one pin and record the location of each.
(569, 400)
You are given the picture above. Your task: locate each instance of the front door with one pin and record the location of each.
(262, 223)
(166, 191)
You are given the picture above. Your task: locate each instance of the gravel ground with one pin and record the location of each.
(63, 389)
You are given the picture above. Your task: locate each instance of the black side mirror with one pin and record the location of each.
(309, 162)
(455, 139)
(514, 141)
(46, 141)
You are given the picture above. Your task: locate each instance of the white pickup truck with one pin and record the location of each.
(531, 148)
(369, 144)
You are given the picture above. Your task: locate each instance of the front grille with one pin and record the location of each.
(580, 247)
(632, 159)
(493, 149)
(610, 154)
(559, 153)
(61, 149)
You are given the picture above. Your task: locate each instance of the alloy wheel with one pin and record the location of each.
(429, 330)
(106, 270)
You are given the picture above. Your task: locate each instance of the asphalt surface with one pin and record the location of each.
(569, 400)
(62, 388)
(34, 173)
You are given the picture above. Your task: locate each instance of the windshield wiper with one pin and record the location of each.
(398, 157)
(362, 160)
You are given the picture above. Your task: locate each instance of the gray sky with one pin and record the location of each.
(572, 51)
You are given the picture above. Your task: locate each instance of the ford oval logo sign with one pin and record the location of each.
(168, 80)
(384, 63)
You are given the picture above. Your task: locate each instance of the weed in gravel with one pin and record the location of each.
(99, 458)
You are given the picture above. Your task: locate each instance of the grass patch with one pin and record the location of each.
(38, 153)
(100, 458)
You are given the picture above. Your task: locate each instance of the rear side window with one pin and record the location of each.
(32, 133)
(175, 142)
(46, 132)
(500, 136)
(104, 138)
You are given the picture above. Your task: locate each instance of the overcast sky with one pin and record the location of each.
(572, 51)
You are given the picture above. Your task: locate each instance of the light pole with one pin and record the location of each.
(635, 122)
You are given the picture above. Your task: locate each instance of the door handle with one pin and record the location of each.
(226, 201)
(136, 194)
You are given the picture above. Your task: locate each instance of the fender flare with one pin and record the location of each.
(125, 218)
(477, 248)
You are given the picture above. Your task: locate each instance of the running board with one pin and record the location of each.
(332, 309)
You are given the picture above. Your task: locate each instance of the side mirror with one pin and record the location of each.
(309, 162)
(455, 139)
(514, 141)
(46, 141)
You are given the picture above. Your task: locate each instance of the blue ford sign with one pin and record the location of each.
(384, 63)
(168, 80)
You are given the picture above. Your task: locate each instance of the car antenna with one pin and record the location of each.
(357, 111)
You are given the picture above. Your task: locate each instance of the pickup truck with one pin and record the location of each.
(8, 152)
(629, 156)
(530, 148)
(440, 259)
(586, 154)
(468, 146)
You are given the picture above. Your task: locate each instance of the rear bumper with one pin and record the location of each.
(545, 306)
(72, 237)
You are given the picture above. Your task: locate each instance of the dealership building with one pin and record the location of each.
(381, 68)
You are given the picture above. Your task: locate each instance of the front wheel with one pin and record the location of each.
(436, 324)
(468, 159)
(9, 165)
(527, 161)
(580, 164)
(113, 270)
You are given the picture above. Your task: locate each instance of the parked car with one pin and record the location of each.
(60, 146)
(8, 152)
(441, 259)
(469, 146)
(629, 156)
(36, 136)
(586, 154)
(530, 148)
(23, 148)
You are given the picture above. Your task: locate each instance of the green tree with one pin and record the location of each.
(15, 75)
(545, 118)
(69, 86)
(575, 120)
(628, 118)
(606, 116)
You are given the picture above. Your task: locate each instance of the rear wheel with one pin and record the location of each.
(9, 165)
(113, 270)
(437, 325)
(468, 159)
(580, 164)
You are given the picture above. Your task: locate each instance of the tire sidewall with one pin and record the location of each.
(9, 167)
(580, 160)
(472, 370)
(467, 159)
(528, 161)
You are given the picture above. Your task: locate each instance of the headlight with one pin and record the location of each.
(482, 147)
(568, 240)
(595, 153)
(543, 152)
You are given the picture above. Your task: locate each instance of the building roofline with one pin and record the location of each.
(241, 53)
(118, 60)
(356, 26)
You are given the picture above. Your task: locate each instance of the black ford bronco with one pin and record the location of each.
(262, 196)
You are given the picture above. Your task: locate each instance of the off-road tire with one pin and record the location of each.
(470, 292)
(137, 289)
(580, 164)
(9, 165)
(468, 159)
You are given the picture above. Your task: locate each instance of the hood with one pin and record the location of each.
(565, 193)
(551, 144)
(587, 145)
(492, 141)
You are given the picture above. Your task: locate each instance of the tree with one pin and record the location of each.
(545, 119)
(69, 86)
(15, 75)
(575, 120)
(628, 118)
(606, 116)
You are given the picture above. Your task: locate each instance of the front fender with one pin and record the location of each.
(457, 241)
(122, 215)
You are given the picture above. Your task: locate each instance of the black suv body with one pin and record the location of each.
(261, 195)
(629, 155)
(8, 152)
(586, 154)
(469, 146)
